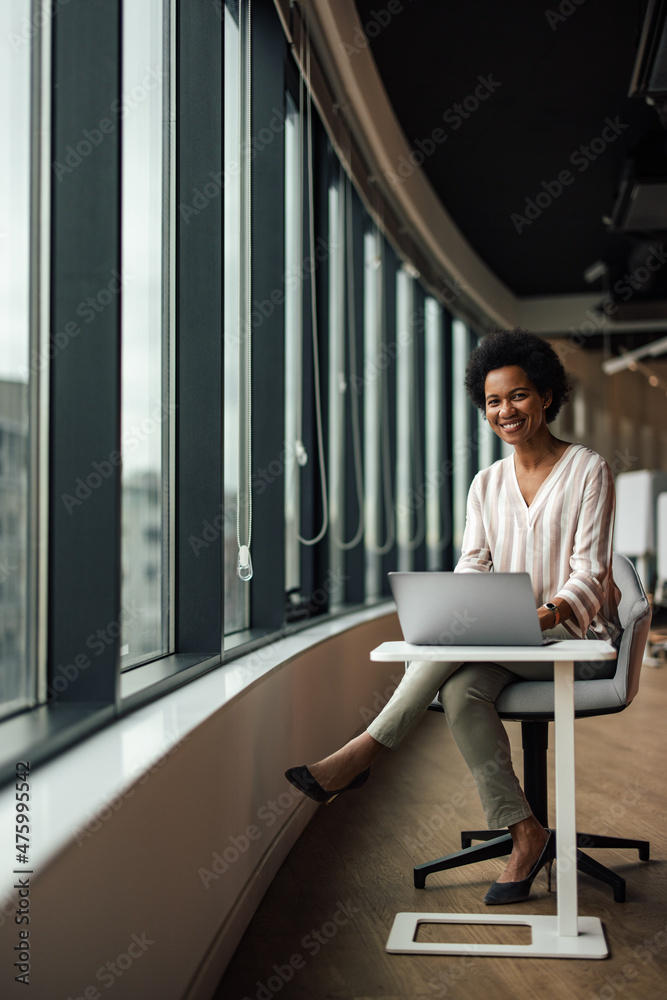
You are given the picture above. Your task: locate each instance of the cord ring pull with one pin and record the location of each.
(244, 568)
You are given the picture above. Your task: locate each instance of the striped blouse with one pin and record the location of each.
(563, 539)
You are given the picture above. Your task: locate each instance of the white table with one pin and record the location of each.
(566, 935)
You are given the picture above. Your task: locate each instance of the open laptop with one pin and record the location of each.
(467, 609)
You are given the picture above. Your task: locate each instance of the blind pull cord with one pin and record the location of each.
(313, 308)
(244, 566)
(300, 452)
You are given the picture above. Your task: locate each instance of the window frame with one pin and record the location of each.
(354, 558)
(391, 266)
(84, 569)
(83, 573)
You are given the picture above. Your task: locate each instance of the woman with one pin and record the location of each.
(548, 510)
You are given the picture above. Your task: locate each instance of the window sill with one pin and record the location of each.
(70, 789)
(47, 730)
(41, 733)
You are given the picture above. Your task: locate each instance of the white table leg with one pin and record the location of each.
(566, 824)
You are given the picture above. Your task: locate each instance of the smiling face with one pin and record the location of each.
(514, 408)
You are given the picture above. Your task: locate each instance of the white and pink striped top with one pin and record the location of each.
(563, 539)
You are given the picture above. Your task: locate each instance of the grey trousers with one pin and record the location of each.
(467, 693)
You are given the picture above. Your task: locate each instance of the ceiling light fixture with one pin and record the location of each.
(595, 271)
(626, 360)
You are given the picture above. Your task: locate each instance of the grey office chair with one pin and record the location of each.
(532, 703)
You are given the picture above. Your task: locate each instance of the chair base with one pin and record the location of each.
(496, 844)
(535, 741)
(493, 848)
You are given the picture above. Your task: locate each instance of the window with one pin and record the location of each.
(410, 514)
(438, 513)
(338, 385)
(488, 442)
(147, 377)
(462, 431)
(346, 389)
(237, 318)
(294, 449)
(314, 320)
(378, 493)
(257, 285)
(22, 367)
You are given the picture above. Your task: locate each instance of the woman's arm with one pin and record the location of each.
(590, 560)
(475, 551)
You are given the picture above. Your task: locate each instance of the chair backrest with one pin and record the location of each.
(526, 700)
(634, 613)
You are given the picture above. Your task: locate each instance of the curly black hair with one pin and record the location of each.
(535, 356)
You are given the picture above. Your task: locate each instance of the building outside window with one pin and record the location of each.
(147, 375)
(23, 365)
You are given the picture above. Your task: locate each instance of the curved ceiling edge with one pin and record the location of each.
(379, 135)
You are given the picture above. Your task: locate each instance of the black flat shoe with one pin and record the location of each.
(302, 779)
(516, 892)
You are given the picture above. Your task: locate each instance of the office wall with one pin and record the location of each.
(153, 899)
(620, 416)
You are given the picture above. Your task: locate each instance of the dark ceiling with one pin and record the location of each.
(561, 78)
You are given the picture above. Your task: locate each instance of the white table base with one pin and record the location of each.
(546, 941)
(566, 935)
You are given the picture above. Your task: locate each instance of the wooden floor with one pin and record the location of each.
(320, 931)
